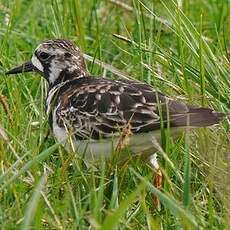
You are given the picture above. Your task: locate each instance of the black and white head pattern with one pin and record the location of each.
(58, 59)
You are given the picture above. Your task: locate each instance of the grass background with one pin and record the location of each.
(180, 48)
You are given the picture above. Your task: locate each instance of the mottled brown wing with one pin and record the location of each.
(98, 107)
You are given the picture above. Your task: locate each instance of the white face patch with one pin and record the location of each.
(37, 63)
(53, 67)
(55, 70)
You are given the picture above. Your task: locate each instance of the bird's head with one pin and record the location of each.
(56, 60)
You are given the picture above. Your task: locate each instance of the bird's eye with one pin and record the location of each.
(44, 55)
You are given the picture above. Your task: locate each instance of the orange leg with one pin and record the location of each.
(157, 178)
(157, 184)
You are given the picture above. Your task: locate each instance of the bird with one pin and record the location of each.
(96, 110)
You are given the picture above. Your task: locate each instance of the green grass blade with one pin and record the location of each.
(112, 221)
(12, 167)
(33, 204)
(187, 174)
(202, 72)
(36, 160)
(78, 20)
(175, 208)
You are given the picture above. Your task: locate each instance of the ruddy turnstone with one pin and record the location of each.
(95, 108)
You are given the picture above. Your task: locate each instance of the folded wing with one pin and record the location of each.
(101, 107)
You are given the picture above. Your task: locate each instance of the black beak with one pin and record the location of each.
(26, 67)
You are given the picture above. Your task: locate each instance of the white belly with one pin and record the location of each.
(94, 149)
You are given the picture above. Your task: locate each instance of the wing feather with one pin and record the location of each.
(98, 106)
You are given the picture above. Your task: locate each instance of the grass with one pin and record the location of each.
(182, 50)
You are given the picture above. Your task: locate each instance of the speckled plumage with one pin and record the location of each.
(95, 108)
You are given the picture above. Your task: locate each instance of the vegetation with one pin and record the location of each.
(180, 48)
